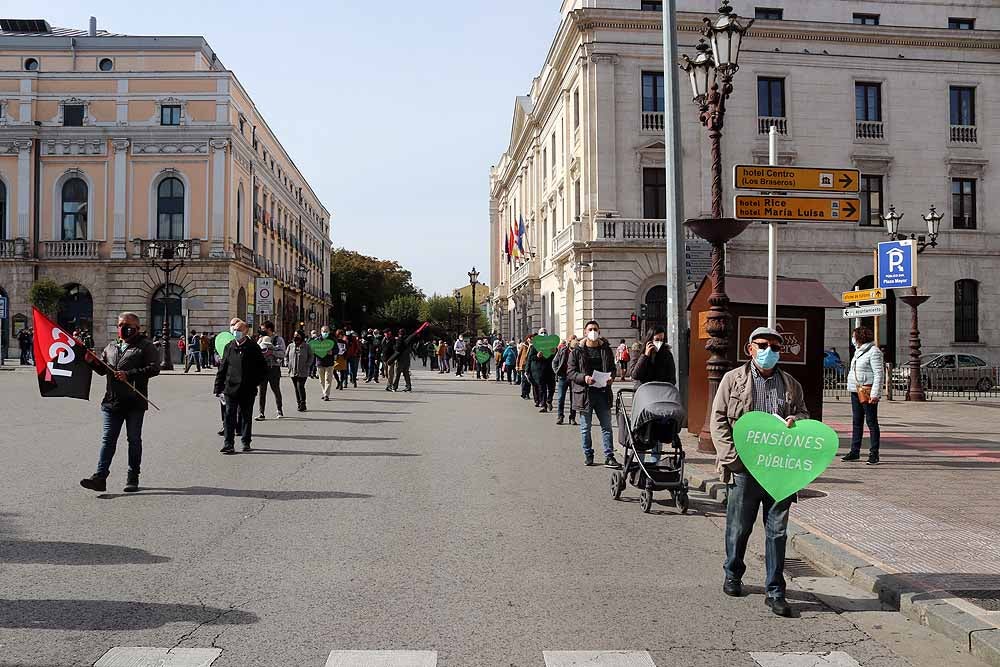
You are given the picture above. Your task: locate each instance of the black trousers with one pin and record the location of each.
(402, 371)
(239, 418)
(273, 379)
(300, 391)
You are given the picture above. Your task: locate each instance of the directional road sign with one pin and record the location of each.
(865, 311)
(897, 264)
(802, 209)
(864, 295)
(796, 179)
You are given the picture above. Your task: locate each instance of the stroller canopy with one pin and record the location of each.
(656, 402)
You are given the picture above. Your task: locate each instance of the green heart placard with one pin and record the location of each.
(784, 460)
(223, 339)
(322, 346)
(482, 356)
(546, 345)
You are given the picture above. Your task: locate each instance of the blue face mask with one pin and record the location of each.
(767, 358)
(238, 334)
(325, 334)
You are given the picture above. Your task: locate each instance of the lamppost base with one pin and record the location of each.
(915, 388)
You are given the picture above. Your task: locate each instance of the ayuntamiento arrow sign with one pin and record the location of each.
(865, 311)
(863, 295)
(801, 209)
(796, 179)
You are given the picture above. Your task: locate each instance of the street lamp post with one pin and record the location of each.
(711, 66)
(343, 308)
(166, 257)
(458, 304)
(303, 274)
(915, 388)
(474, 280)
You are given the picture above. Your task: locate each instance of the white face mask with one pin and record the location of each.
(593, 335)
(657, 344)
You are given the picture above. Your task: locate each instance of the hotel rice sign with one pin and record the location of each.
(801, 209)
(796, 179)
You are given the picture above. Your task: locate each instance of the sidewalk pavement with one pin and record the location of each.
(921, 529)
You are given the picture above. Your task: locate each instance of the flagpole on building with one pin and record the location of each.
(677, 325)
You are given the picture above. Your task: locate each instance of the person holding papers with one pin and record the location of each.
(591, 371)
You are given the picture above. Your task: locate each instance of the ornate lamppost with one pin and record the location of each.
(302, 273)
(166, 256)
(714, 65)
(458, 306)
(915, 388)
(474, 280)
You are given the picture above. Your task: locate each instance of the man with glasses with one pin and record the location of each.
(757, 385)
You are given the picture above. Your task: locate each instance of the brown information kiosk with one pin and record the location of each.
(802, 305)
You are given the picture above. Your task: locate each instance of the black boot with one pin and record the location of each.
(131, 483)
(94, 483)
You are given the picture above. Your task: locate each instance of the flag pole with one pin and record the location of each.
(124, 382)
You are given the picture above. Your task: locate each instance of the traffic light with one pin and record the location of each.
(642, 311)
(633, 321)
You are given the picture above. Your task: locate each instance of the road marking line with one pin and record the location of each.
(829, 659)
(145, 656)
(598, 659)
(382, 659)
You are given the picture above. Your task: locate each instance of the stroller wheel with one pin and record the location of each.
(617, 484)
(682, 502)
(646, 500)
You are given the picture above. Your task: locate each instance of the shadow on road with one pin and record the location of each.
(74, 553)
(297, 452)
(333, 438)
(235, 493)
(343, 421)
(111, 615)
(391, 413)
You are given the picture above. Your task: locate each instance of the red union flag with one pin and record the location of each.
(59, 361)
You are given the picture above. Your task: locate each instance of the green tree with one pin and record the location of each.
(45, 295)
(401, 311)
(369, 283)
(436, 309)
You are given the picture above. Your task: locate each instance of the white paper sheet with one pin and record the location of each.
(600, 379)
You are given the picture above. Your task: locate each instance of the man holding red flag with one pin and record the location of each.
(128, 363)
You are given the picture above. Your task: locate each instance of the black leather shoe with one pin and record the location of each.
(733, 588)
(94, 483)
(851, 457)
(872, 461)
(131, 483)
(779, 606)
(228, 449)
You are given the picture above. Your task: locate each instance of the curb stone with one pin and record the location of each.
(916, 602)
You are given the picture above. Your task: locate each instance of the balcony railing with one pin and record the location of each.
(869, 130)
(764, 124)
(619, 229)
(82, 249)
(243, 254)
(964, 134)
(189, 248)
(652, 121)
(13, 248)
(527, 271)
(566, 237)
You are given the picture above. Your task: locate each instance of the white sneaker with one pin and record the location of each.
(279, 416)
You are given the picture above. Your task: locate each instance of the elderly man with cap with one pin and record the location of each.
(757, 385)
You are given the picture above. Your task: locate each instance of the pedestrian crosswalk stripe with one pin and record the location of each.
(598, 659)
(829, 659)
(145, 656)
(382, 659)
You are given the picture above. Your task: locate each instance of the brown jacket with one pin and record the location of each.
(522, 356)
(733, 400)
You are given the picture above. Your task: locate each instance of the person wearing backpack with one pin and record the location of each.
(559, 362)
(509, 359)
(622, 356)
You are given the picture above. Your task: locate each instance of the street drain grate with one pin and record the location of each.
(796, 567)
(984, 599)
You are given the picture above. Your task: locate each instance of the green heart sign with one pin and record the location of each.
(223, 339)
(322, 346)
(546, 345)
(784, 460)
(482, 356)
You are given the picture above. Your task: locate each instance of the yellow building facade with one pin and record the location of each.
(138, 173)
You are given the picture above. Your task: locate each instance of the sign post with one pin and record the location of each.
(896, 265)
(772, 239)
(264, 296)
(797, 209)
(3, 318)
(874, 310)
(773, 178)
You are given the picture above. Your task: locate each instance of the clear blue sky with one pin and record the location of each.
(394, 111)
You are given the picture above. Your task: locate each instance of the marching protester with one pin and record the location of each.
(324, 364)
(388, 352)
(314, 372)
(509, 359)
(593, 356)
(442, 354)
(460, 358)
(241, 370)
(353, 355)
(559, 364)
(132, 360)
(193, 347)
(401, 363)
(274, 354)
(522, 367)
(542, 377)
(340, 364)
(483, 367)
(865, 382)
(203, 349)
(300, 359)
(656, 363)
(756, 385)
(24, 341)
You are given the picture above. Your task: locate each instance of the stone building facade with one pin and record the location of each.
(904, 91)
(117, 149)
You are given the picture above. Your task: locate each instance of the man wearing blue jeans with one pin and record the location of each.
(758, 385)
(592, 356)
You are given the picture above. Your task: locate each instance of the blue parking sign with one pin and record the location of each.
(897, 264)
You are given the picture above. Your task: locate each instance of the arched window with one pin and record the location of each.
(3, 210)
(170, 209)
(166, 302)
(966, 311)
(74, 210)
(656, 307)
(239, 213)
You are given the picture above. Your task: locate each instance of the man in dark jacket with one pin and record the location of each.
(388, 351)
(241, 370)
(591, 356)
(542, 376)
(133, 359)
(403, 349)
(656, 363)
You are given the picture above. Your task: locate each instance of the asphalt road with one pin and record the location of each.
(454, 519)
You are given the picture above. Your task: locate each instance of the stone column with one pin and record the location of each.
(121, 153)
(23, 187)
(606, 145)
(218, 226)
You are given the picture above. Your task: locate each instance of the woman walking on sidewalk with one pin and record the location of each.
(300, 360)
(865, 382)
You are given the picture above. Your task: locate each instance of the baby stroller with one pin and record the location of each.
(653, 420)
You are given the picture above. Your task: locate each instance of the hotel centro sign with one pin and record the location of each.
(796, 179)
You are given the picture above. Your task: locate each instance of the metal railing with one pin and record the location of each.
(189, 248)
(968, 383)
(243, 254)
(653, 121)
(526, 271)
(964, 134)
(76, 249)
(764, 124)
(566, 236)
(619, 229)
(869, 130)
